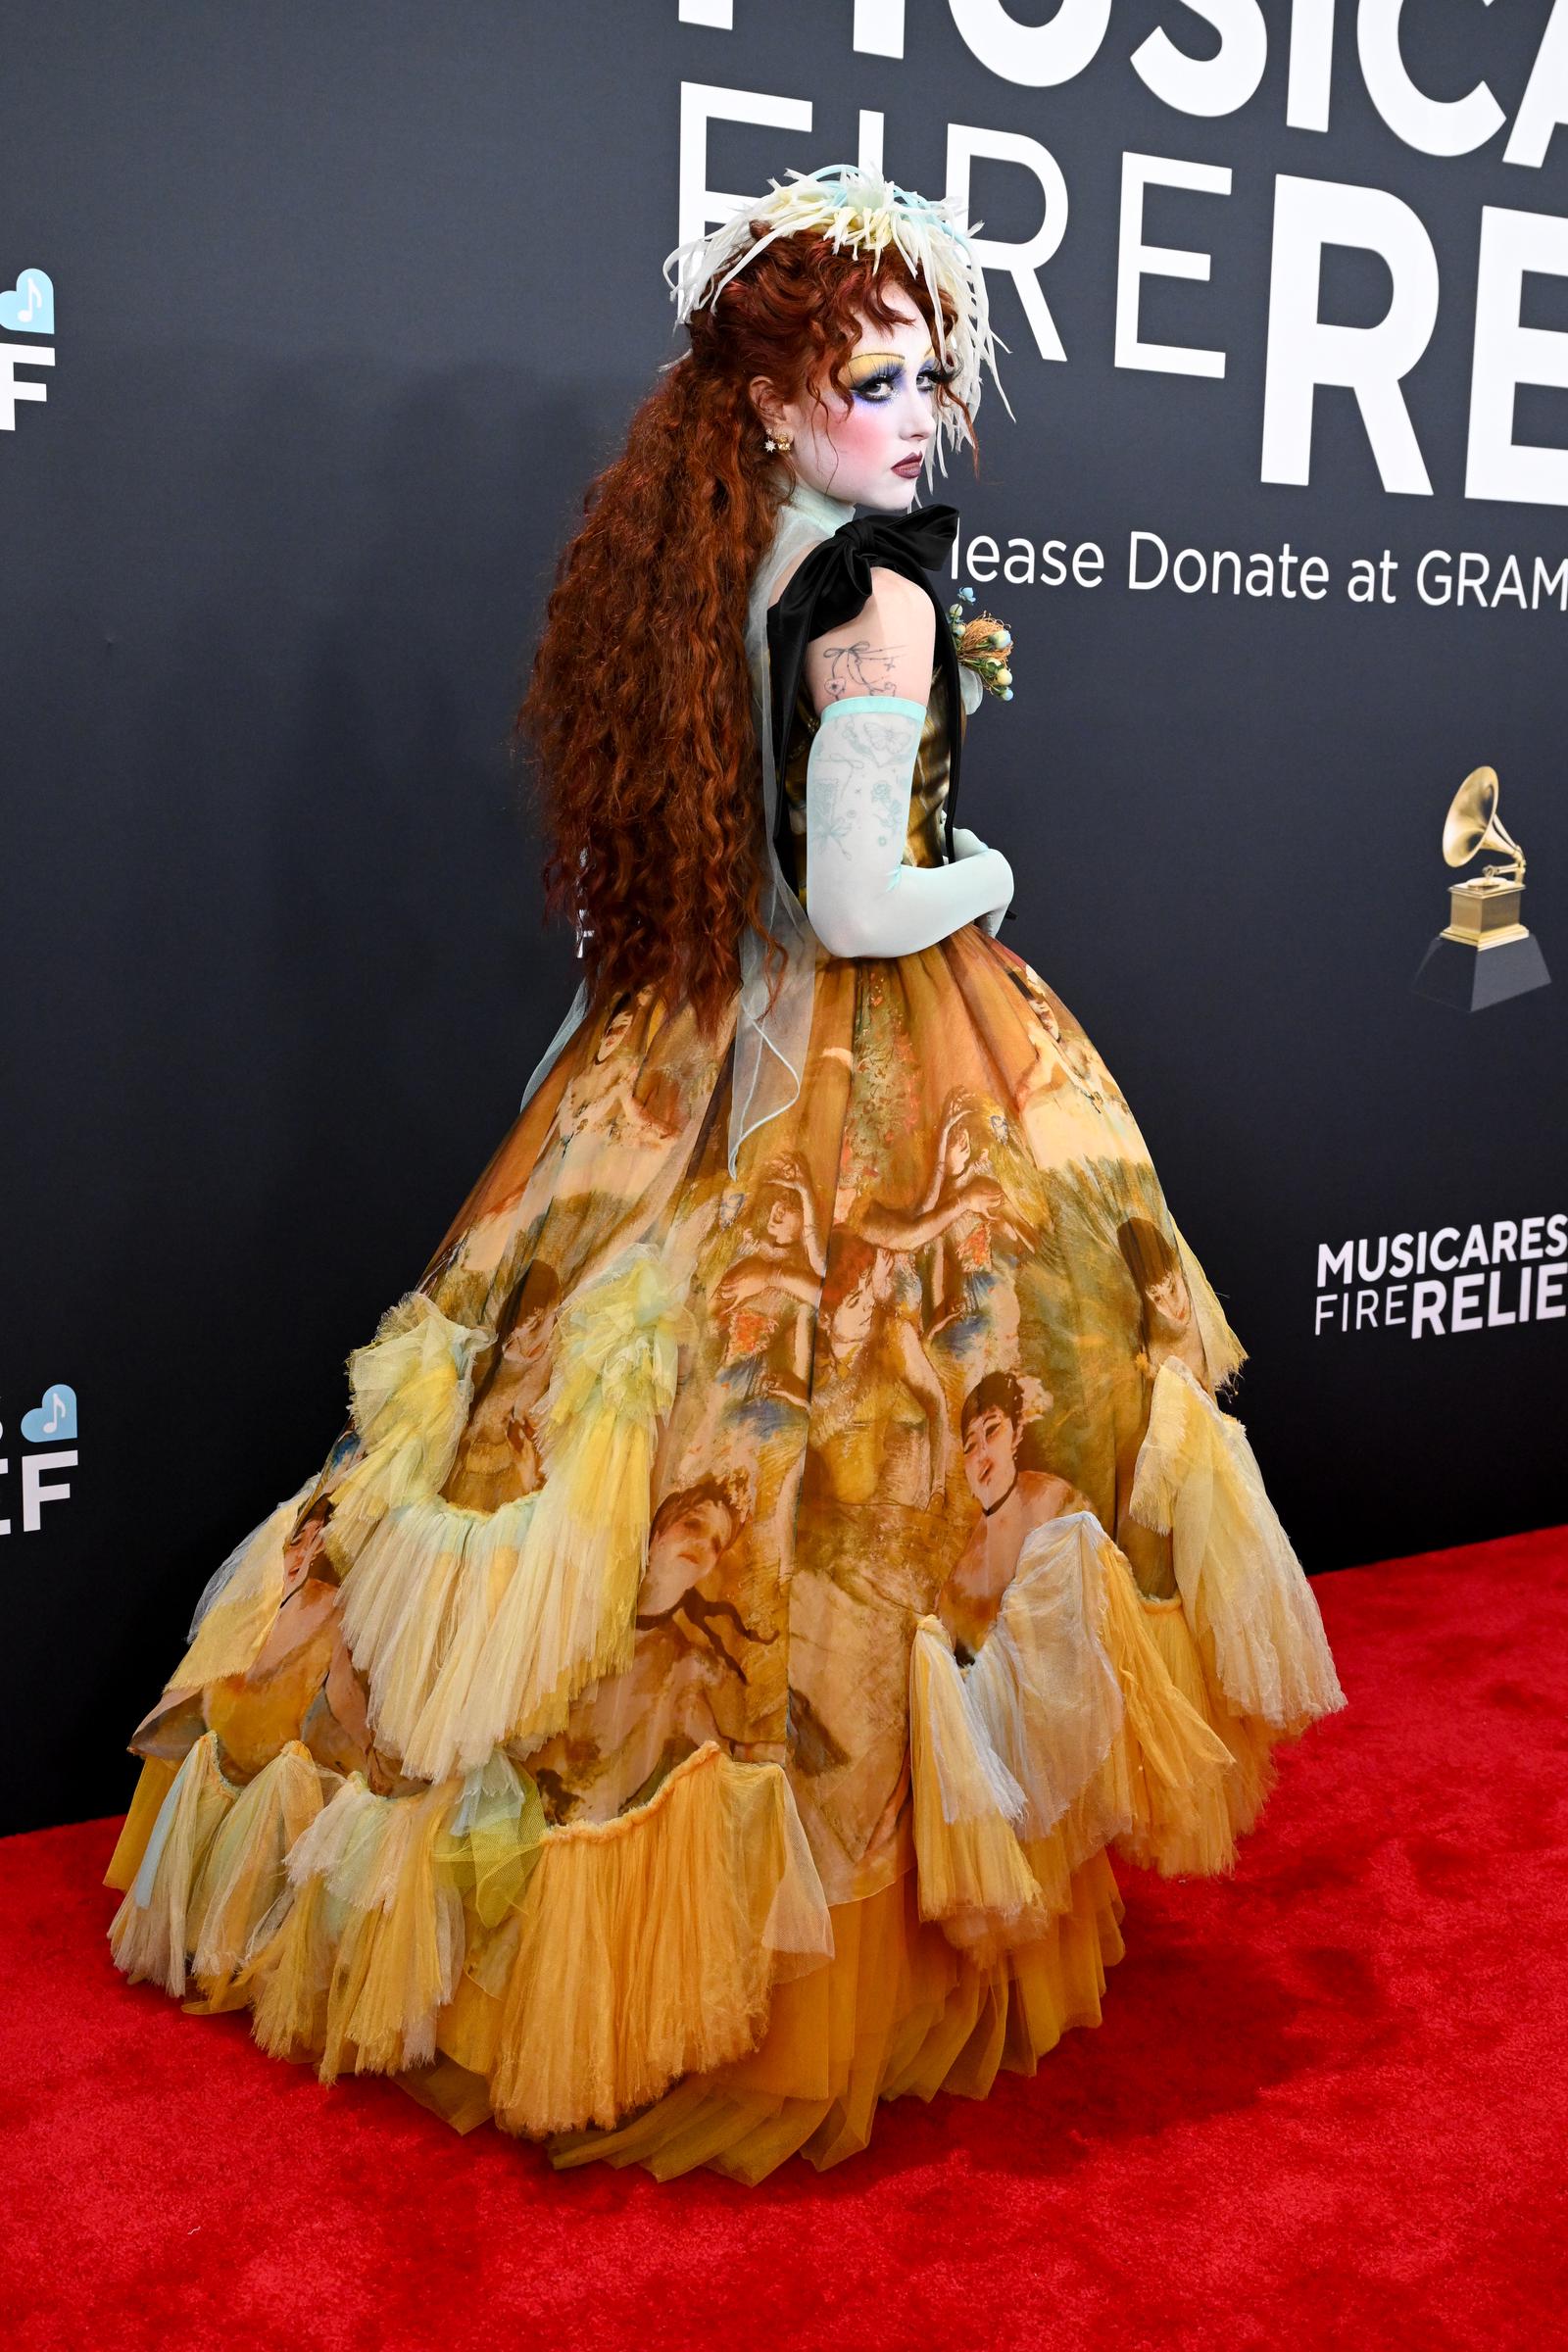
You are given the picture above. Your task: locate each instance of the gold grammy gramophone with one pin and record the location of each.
(1483, 953)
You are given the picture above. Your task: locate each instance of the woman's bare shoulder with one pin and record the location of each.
(886, 648)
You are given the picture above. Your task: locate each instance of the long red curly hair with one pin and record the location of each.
(637, 721)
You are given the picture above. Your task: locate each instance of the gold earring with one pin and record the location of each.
(784, 442)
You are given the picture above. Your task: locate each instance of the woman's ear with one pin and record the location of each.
(765, 401)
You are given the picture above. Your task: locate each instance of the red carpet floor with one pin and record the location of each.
(1328, 2103)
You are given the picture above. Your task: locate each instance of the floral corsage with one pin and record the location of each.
(984, 647)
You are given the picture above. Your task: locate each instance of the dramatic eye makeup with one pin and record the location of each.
(874, 376)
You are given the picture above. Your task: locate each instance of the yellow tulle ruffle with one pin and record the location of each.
(671, 1986)
(647, 1947)
(1243, 1592)
(580, 1970)
(410, 1389)
(1251, 1742)
(154, 1931)
(371, 1939)
(235, 1613)
(153, 1783)
(1223, 1352)
(896, 2012)
(1065, 1734)
(476, 1628)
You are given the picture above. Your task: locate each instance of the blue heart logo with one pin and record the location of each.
(54, 1420)
(30, 306)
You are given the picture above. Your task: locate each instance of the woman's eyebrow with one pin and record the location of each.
(878, 359)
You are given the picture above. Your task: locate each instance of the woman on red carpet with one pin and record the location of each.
(789, 1540)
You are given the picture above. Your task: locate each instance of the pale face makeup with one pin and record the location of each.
(865, 439)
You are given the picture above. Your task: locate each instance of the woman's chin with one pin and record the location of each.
(894, 497)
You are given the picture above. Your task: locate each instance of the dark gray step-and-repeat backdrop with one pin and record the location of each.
(314, 324)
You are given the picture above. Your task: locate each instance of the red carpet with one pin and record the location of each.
(1328, 2104)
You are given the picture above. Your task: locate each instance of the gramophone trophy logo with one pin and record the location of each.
(1483, 953)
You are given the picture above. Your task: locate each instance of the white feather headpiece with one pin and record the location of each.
(867, 214)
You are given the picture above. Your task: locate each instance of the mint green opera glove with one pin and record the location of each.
(864, 901)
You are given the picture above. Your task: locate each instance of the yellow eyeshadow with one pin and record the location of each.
(869, 363)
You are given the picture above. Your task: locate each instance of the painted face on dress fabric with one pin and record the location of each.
(990, 1451)
(856, 1313)
(694, 1539)
(1169, 1297)
(783, 1224)
(529, 1337)
(865, 439)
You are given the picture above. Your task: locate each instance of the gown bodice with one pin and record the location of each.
(928, 791)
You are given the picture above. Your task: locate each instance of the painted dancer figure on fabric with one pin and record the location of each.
(789, 1540)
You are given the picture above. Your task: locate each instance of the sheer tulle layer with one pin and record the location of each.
(897, 2013)
(582, 1970)
(706, 1684)
(672, 1978)
(891, 2010)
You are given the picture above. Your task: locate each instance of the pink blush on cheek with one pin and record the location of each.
(857, 448)
(868, 433)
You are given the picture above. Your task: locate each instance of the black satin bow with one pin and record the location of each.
(828, 588)
(841, 567)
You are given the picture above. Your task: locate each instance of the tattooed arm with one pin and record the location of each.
(888, 648)
(869, 682)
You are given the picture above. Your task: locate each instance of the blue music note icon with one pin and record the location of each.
(53, 1422)
(28, 306)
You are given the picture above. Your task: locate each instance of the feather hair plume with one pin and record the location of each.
(863, 211)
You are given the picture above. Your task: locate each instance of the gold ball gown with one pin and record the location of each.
(704, 1687)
